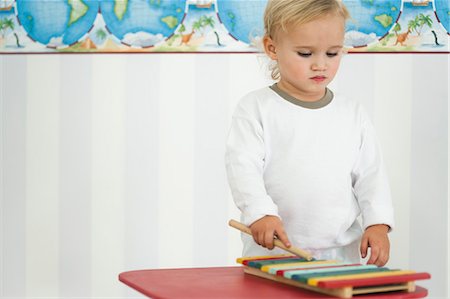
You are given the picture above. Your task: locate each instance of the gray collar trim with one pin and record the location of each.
(327, 98)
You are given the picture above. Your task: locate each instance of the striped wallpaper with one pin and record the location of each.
(115, 162)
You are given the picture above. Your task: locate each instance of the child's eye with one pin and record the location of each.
(332, 54)
(304, 54)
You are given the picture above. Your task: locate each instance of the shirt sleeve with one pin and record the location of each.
(370, 182)
(244, 161)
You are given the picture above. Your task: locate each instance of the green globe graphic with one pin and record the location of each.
(57, 22)
(242, 19)
(370, 20)
(142, 23)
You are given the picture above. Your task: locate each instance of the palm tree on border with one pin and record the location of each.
(6, 24)
(397, 28)
(413, 24)
(209, 21)
(197, 25)
(424, 20)
(101, 34)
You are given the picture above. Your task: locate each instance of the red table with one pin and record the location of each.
(225, 282)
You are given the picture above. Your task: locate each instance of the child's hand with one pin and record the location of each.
(264, 230)
(376, 238)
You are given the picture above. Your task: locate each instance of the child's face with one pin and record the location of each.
(308, 56)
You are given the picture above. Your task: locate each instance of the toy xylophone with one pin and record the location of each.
(331, 277)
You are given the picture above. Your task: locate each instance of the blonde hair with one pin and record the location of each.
(280, 14)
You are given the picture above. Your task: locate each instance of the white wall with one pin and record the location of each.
(115, 162)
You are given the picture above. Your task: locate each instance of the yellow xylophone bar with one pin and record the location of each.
(267, 268)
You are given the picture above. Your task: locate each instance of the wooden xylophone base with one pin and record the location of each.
(342, 292)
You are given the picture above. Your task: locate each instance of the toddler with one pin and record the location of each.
(303, 162)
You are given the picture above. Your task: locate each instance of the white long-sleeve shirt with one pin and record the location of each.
(316, 165)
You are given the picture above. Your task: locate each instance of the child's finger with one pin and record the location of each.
(261, 239)
(268, 240)
(364, 246)
(374, 255)
(282, 236)
(383, 258)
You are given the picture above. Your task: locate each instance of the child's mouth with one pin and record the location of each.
(318, 79)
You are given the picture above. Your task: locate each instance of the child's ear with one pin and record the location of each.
(269, 47)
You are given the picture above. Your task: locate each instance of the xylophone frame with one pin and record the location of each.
(341, 292)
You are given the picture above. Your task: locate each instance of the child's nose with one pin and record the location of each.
(319, 64)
